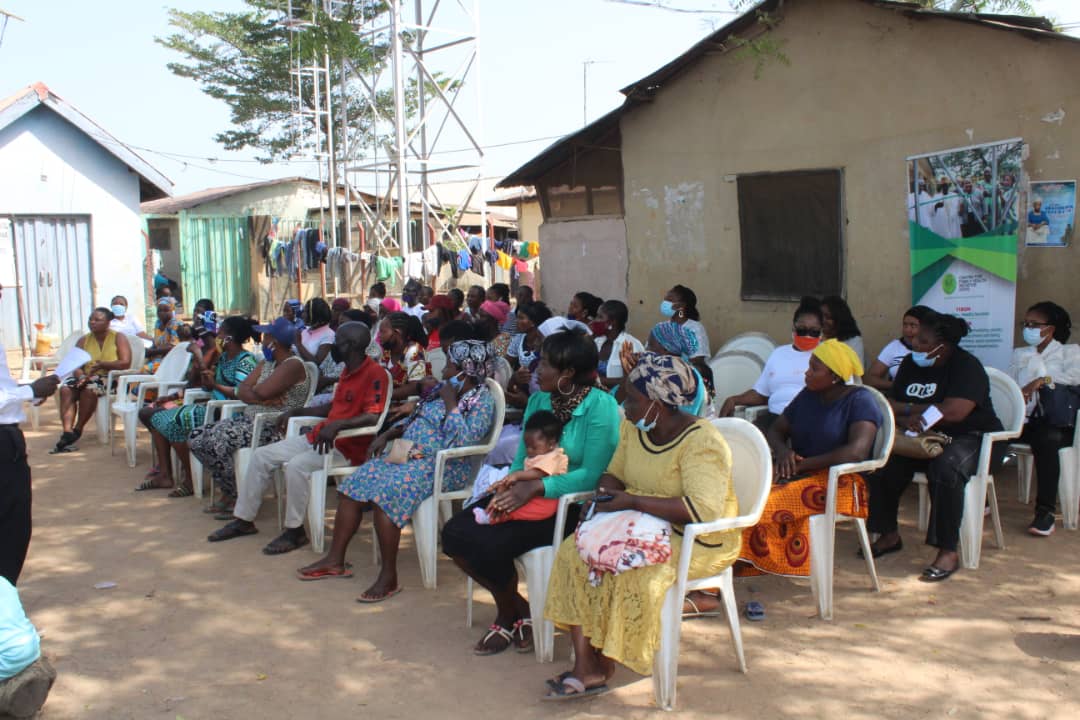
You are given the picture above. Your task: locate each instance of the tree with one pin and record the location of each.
(247, 59)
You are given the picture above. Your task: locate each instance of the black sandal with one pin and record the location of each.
(234, 529)
(291, 539)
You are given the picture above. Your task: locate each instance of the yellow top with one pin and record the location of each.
(99, 353)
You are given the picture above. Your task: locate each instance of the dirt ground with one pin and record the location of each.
(194, 630)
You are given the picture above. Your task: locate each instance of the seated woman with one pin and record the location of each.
(491, 315)
(583, 307)
(165, 335)
(170, 427)
(785, 370)
(680, 306)
(524, 353)
(881, 373)
(590, 420)
(838, 322)
(456, 412)
(669, 338)
(611, 339)
(440, 311)
(312, 344)
(937, 373)
(292, 310)
(403, 341)
(278, 383)
(125, 323)
(828, 423)
(669, 465)
(337, 310)
(1045, 362)
(108, 350)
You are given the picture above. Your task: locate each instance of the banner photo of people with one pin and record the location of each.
(962, 217)
(1052, 213)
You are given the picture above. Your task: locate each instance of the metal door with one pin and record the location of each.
(215, 262)
(52, 255)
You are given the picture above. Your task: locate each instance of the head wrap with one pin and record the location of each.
(391, 305)
(839, 358)
(559, 324)
(664, 378)
(496, 309)
(399, 321)
(440, 302)
(340, 304)
(473, 357)
(675, 338)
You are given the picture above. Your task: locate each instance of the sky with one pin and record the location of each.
(102, 58)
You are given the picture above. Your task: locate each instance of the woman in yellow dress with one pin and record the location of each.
(670, 465)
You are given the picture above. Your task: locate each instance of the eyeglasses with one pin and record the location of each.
(1031, 325)
(807, 332)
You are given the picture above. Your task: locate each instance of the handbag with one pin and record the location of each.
(1058, 405)
(615, 542)
(399, 451)
(924, 446)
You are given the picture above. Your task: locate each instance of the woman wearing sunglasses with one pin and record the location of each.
(785, 371)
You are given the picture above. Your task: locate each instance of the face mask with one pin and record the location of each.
(923, 359)
(599, 328)
(1033, 336)
(804, 343)
(268, 353)
(374, 303)
(408, 299)
(119, 310)
(667, 308)
(457, 382)
(642, 425)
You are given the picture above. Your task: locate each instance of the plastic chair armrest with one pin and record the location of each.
(358, 432)
(258, 424)
(298, 422)
(750, 413)
(126, 381)
(195, 395)
(231, 408)
(560, 514)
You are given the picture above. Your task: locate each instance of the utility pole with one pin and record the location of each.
(585, 87)
(4, 17)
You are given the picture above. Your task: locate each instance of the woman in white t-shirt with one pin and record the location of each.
(611, 337)
(881, 373)
(838, 322)
(784, 375)
(680, 306)
(313, 343)
(124, 323)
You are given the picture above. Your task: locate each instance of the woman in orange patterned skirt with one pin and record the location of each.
(828, 423)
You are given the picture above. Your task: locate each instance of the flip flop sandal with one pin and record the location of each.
(570, 688)
(285, 542)
(148, 485)
(366, 599)
(154, 472)
(233, 530)
(522, 643)
(755, 611)
(181, 492)
(494, 631)
(696, 612)
(327, 573)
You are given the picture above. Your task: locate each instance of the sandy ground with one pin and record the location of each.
(194, 630)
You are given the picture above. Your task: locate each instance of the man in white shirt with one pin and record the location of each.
(124, 323)
(14, 470)
(410, 299)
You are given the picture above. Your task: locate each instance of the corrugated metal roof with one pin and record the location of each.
(169, 206)
(153, 183)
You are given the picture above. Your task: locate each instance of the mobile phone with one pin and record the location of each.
(603, 498)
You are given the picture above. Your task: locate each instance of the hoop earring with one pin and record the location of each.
(558, 386)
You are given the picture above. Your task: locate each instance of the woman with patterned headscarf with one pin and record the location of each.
(456, 412)
(672, 466)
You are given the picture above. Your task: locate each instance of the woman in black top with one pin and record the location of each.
(940, 373)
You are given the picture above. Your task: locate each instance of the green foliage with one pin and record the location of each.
(1005, 7)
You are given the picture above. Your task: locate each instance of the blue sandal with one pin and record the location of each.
(755, 611)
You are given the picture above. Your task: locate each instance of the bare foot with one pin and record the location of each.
(698, 602)
(382, 588)
(323, 563)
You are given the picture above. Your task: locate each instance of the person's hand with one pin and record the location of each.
(298, 339)
(324, 441)
(728, 408)
(81, 382)
(787, 465)
(403, 410)
(915, 423)
(522, 377)
(283, 420)
(1033, 387)
(448, 394)
(427, 385)
(43, 387)
(620, 499)
(207, 378)
(513, 497)
(377, 445)
(628, 358)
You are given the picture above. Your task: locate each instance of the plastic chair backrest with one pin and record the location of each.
(175, 364)
(756, 343)
(1008, 400)
(138, 352)
(503, 372)
(734, 372)
(312, 372)
(751, 464)
(68, 343)
(883, 442)
(437, 360)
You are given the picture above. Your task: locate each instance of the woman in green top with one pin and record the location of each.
(590, 416)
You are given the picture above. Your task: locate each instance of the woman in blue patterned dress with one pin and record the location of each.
(456, 412)
(171, 427)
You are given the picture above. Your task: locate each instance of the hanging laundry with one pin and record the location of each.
(520, 265)
(504, 261)
(464, 260)
(414, 265)
(476, 244)
(387, 267)
(430, 261)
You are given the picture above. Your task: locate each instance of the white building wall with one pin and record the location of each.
(50, 167)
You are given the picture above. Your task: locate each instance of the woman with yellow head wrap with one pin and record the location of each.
(839, 358)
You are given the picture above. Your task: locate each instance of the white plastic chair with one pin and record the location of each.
(823, 526)
(1008, 403)
(756, 343)
(1069, 481)
(214, 408)
(751, 466)
(1025, 470)
(437, 360)
(104, 414)
(44, 363)
(170, 376)
(733, 372)
(316, 510)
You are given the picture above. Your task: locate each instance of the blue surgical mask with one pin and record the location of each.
(1033, 336)
(923, 359)
(119, 310)
(667, 308)
(644, 426)
(457, 381)
(268, 353)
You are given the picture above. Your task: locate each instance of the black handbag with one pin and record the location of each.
(1058, 405)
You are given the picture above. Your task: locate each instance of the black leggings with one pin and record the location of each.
(1045, 441)
(14, 503)
(490, 549)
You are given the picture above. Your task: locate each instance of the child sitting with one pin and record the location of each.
(544, 457)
